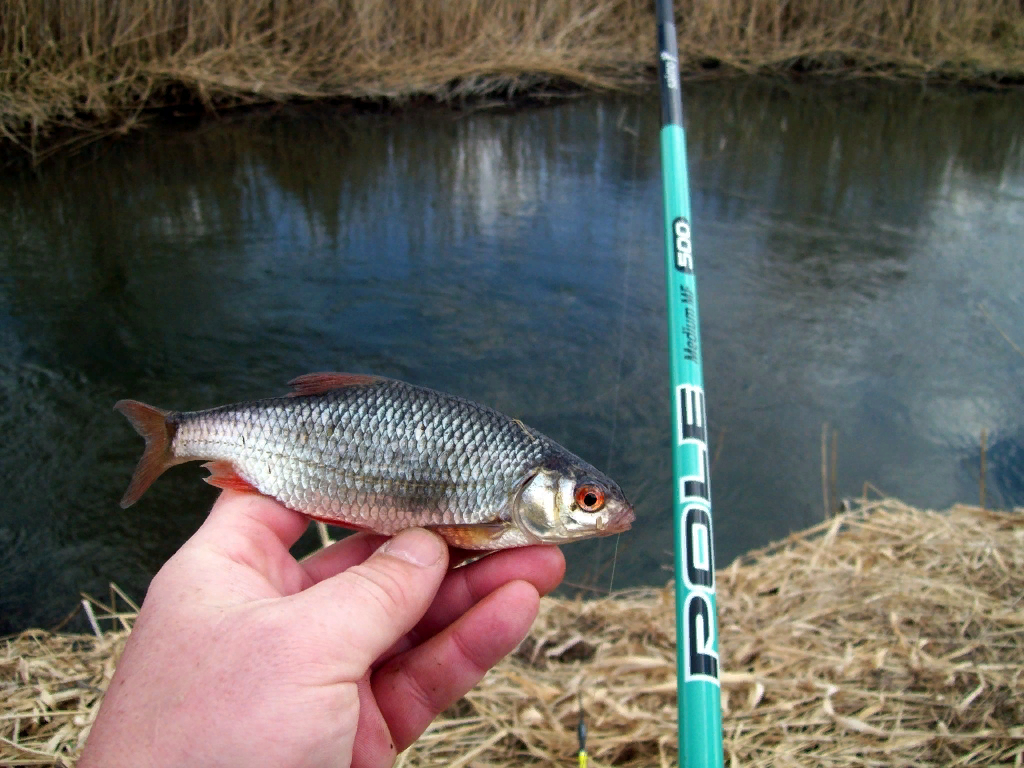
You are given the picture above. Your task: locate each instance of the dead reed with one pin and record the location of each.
(884, 636)
(83, 65)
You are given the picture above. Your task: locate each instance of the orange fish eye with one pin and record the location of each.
(590, 498)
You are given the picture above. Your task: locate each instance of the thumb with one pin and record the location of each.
(368, 607)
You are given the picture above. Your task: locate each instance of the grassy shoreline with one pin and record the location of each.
(886, 634)
(89, 66)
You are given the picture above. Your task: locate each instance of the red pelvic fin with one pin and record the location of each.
(475, 536)
(318, 383)
(152, 424)
(224, 475)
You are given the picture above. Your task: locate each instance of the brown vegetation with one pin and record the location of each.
(104, 63)
(886, 636)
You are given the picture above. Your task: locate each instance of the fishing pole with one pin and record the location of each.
(697, 661)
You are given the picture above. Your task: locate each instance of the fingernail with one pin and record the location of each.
(415, 546)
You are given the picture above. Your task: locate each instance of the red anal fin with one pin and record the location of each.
(224, 475)
(475, 536)
(318, 383)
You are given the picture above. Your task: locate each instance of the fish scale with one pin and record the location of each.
(347, 445)
(385, 455)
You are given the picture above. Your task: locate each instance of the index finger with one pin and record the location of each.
(414, 687)
(464, 588)
(543, 566)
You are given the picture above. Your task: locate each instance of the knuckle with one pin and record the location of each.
(426, 698)
(474, 656)
(379, 586)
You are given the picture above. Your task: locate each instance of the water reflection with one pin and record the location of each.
(845, 240)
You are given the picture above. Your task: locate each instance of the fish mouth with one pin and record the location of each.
(619, 522)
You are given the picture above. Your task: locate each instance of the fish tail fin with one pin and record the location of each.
(153, 425)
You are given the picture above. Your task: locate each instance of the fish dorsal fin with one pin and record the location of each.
(318, 383)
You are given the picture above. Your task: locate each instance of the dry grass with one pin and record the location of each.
(85, 64)
(887, 636)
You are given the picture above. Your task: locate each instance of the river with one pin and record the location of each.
(860, 264)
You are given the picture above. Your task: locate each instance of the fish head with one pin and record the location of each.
(564, 500)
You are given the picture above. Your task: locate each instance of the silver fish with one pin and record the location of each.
(382, 455)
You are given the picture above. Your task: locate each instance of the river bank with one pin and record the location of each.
(885, 634)
(68, 69)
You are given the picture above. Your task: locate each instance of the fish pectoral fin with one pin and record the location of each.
(224, 475)
(318, 383)
(473, 536)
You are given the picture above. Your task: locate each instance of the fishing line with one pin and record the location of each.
(626, 277)
(626, 274)
(615, 558)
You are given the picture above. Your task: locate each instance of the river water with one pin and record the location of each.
(859, 260)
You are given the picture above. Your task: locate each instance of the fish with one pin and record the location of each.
(382, 455)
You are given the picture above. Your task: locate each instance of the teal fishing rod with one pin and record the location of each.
(697, 662)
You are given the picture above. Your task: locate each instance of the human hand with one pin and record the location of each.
(243, 656)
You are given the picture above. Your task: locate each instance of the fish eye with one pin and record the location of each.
(589, 497)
